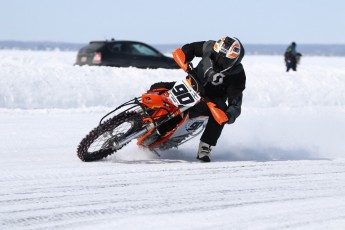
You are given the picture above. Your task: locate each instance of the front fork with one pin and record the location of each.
(121, 143)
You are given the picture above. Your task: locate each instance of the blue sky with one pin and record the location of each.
(177, 21)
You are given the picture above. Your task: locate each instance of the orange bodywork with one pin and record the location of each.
(161, 106)
(153, 101)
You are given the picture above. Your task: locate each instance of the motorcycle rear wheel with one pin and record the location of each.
(103, 140)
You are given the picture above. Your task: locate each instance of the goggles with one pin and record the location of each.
(228, 47)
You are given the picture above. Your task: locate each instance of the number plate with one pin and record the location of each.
(183, 94)
(83, 59)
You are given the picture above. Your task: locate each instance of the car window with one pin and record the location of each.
(118, 48)
(92, 47)
(140, 49)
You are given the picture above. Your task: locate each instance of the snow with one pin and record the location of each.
(280, 166)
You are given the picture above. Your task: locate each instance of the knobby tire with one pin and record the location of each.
(106, 127)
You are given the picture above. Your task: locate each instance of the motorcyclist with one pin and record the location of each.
(223, 77)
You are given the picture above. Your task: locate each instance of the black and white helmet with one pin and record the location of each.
(228, 47)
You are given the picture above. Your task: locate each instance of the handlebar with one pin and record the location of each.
(180, 59)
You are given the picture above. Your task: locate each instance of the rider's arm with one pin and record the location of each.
(192, 50)
(234, 93)
(234, 109)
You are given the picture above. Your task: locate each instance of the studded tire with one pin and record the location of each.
(102, 140)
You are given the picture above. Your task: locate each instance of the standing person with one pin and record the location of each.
(221, 73)
(291, 57)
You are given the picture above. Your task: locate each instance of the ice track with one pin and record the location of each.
(43, 185)
(163, 194)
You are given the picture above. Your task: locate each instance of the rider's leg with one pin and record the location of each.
(212, 131)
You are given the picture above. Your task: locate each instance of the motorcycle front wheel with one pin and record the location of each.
(103, 140)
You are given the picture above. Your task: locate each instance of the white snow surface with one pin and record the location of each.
(280, 166)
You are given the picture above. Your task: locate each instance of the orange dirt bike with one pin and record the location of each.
(158, 120)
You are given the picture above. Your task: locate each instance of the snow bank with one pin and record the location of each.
(46, 80)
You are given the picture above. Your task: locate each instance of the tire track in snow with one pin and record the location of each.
(109, 192)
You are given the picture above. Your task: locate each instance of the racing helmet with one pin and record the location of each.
(228, 47)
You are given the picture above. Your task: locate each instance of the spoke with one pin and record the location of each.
(108, 139)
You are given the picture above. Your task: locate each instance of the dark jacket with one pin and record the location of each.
(226, 87)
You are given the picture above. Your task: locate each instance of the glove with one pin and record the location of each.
(232, 114)
(231, 119)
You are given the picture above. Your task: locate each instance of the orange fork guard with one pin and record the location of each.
(141, 139)
(218, 114)
(180, 58)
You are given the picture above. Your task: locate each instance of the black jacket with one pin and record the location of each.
(229, 86)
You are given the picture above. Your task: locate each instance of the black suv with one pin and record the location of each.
(123, 54)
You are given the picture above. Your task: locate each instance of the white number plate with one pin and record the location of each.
(183, 94)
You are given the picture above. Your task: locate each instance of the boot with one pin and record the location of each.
(204, 152)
